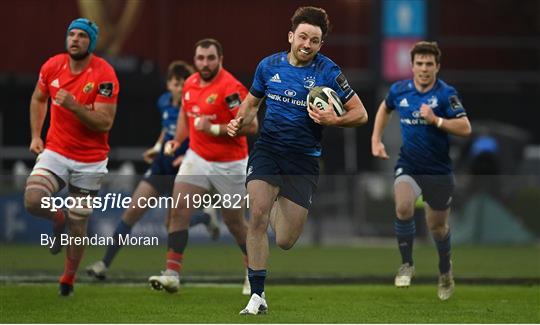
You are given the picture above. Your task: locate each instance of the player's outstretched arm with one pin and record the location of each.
(38, 111)
(246, 119)
(381, 120)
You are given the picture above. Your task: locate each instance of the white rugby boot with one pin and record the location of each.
(404, 276)
(256, 305)
(97, 270)
(165, 281)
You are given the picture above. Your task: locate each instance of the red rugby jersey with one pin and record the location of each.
(97, 83)
(220, 100)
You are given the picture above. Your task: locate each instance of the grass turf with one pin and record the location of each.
(38, 303)
(225, 260)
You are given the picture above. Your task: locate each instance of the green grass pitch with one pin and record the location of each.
(358, 301)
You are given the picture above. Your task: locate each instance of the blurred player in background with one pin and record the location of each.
(83, 89)
(284, 165)
(210, 99)
(429, 110)
(159, 179)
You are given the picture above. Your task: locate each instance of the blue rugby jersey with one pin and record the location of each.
(169, 116)
(425, 147)
(287, 126)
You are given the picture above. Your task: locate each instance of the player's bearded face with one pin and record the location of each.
(207, 62)
(425, 70)
(77, 44)
(306, 41)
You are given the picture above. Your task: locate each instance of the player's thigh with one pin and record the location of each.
(289, 220)
(87, 177)
(406, 191)
(136, 210)
(49, 175)
(262, 196)
(185, 198)
(194, 170)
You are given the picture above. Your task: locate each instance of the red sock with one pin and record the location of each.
(58, 219)
(71, 265)
(174, 261)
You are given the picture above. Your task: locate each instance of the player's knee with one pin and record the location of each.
(132, 216)
(404, 210)
(285, 243)
(32, 201)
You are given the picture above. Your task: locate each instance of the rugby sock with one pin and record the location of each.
(174, 261)
(58, 220)
(74, 255)
(443, 247)
(197, 217)
(405, 230)
(121, 229)
(176, 243)
(256, 280)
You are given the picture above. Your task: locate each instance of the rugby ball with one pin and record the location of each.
(321, 96)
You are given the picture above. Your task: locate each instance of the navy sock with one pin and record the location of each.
(121, 229)
(256, 280)
(405, 230)
(177, 241)
(443, 247)
(197, 217)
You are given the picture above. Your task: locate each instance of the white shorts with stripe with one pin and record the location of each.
(85, 176)
(225, 177)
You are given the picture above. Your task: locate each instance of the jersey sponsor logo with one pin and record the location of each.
(276, 78)
(342, 82)
(309, 82)
(455, 103)
(433, 102)
(233, 100)
(416, 114)
(106, 89)
(88, 87)
(212, 98)
(290, 93)
(404, 103)
(55, 83)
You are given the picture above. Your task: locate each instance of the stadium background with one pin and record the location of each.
(491, 54)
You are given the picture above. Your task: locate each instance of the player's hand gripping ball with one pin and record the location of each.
(320, 97)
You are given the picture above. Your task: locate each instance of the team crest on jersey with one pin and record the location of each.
(309, 82)
(211, 99)
(433, 102)
(88, 87)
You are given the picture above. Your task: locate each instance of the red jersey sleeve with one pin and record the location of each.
(107, 85)
(44, 73)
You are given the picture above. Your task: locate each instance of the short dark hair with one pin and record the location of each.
(207, 42)
(426, 48)
(179, 70)
(313, 16)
